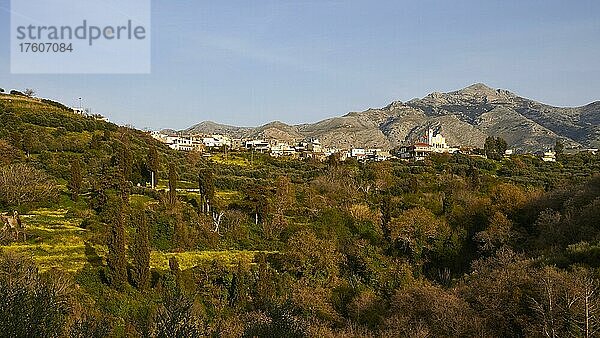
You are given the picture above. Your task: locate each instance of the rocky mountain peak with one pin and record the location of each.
(275, 124)
(479, 88)
(466, 116)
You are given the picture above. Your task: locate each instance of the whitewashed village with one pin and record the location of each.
(432, 142)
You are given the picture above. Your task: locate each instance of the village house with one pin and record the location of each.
(282, 149)
(358, 153)
(378, 155)
(308, 149)
(261, 146)
(216, 141)
(159, 136)
(236, 144)
(314, 145)
(549, 156)
(184, 143)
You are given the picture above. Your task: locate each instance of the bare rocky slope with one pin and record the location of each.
(465, 117)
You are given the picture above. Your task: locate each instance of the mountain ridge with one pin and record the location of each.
(465, 117)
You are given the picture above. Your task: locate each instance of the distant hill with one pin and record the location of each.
(465, 117)
(208, 127)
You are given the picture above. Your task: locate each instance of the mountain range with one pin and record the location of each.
(465, 117)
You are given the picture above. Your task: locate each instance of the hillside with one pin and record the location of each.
(244, 245)
(465, 117)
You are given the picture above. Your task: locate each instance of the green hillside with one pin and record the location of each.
(250, 246)
(49, 137)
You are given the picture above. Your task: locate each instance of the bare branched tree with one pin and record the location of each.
(217, 217)
(22, 184)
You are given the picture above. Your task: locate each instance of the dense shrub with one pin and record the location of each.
(32, 305)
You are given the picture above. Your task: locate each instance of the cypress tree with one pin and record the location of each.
(173, 177)
(116, 260)
(175, 270)
(76, 180)
(124, 163)
(140, 251)
(28, 140)
(153, 162)
(206, 186)
(490, 147)
(559, 147)
(501, 146)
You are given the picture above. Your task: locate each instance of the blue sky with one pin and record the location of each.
(251, 62)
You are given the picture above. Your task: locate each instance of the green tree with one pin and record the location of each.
(417, 232)
(116, 259)
(495, 147)
(283, 200)
(311, 257)
(259, 201)
(28, 141)
(206, 185)
(153, 162)
(490, 147)
(501, 146)
(140, 252)
(474, 177)
(496, 235)
(125, 160)
(173, 177)
(559, 147)
(385, 208)
(76, 180)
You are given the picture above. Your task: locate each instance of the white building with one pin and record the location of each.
(549, 156)
(314, 145)
(258, 145)
(358, 153)
(378, 155)
(430, 143)
(157, 135)
(282, 149)
(216, 140)
(183, 143)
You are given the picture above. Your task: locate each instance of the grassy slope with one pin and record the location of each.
(55, 239)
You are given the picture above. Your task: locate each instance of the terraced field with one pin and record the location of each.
(55, 240)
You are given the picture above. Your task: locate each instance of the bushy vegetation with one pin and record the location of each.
(237, 245)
